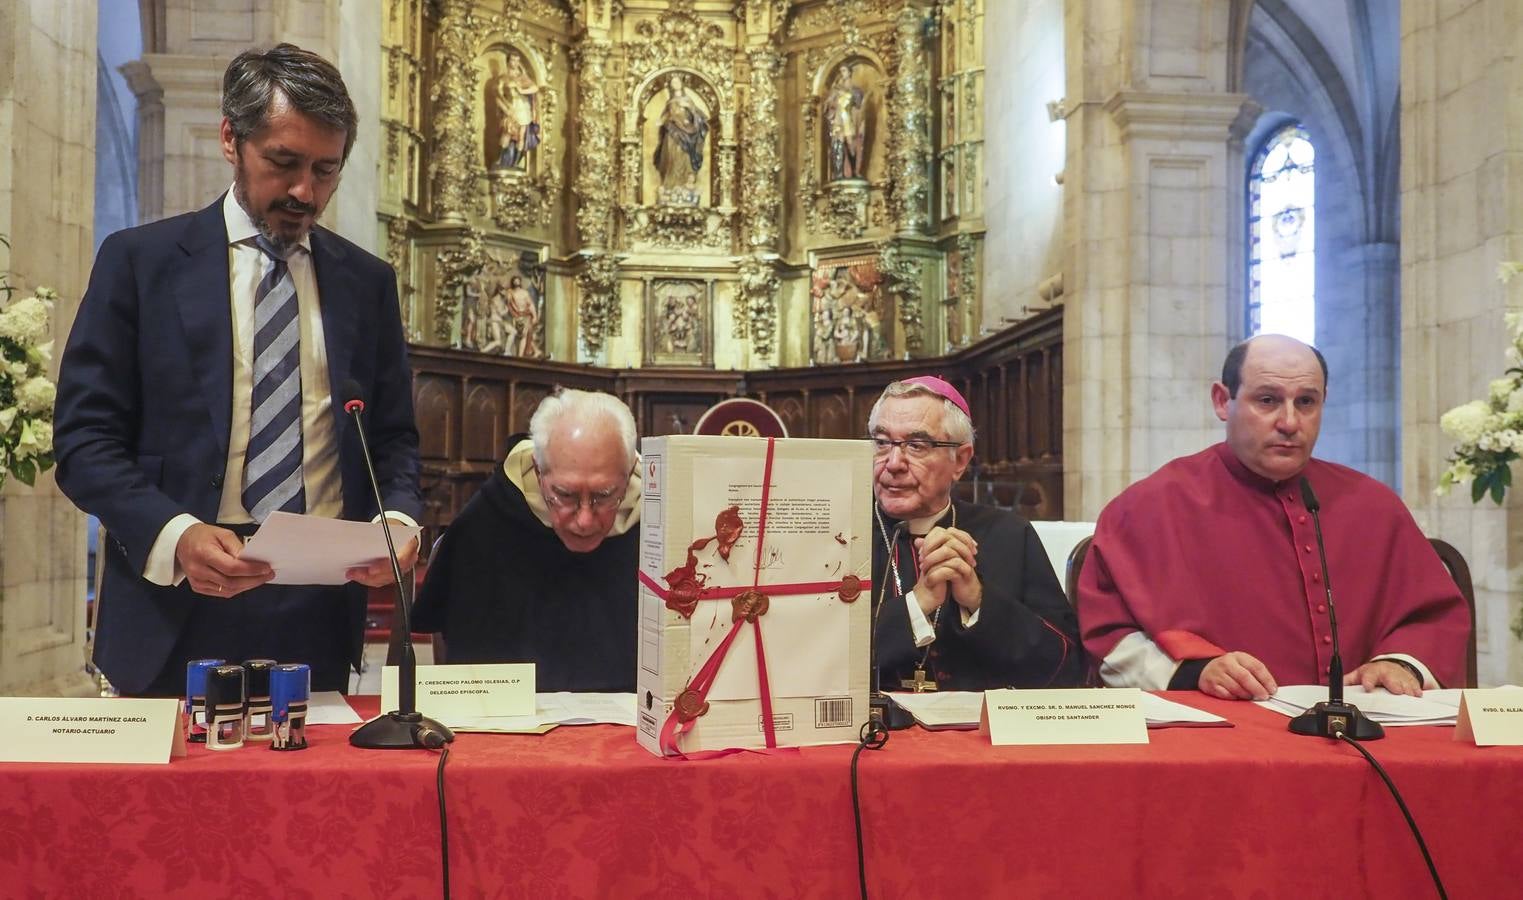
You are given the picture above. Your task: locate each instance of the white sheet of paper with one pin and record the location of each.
(591, 708)
(943, 709)
(1378, 705)
(961, 709)
(550, 710)
(808, 515)
(501, 725)
(330, 708)
(1164, 713)
(320, 550)
(1451, 696)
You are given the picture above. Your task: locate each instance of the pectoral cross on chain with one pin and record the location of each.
(918, 684)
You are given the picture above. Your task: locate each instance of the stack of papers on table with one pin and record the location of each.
(1437, 707)
(962, 709)
(943, 709)
(551, 710)
(1163, 713)
(331, 708)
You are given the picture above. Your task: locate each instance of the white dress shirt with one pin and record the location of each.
(247, 265)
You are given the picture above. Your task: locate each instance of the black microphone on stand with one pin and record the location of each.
(404, 727)
(1332, 716)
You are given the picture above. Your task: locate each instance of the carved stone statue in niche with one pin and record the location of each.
(679, 146)
(850, 312)
(846, 126)
(512, 109)
(502, 309)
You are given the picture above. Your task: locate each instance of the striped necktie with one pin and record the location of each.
(272, 472)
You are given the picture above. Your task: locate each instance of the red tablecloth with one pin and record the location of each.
(1250, 811)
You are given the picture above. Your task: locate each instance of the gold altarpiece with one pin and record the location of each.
(725, 184)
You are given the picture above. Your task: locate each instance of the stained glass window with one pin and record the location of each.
(1282, 222)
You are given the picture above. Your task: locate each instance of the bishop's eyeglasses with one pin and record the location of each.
(914, 448)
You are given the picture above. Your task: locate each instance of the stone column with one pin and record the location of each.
(909, 124)
(357, 54)
(47, 208)
(1360, 427)
(1147, 186)
(178, 84)
(451, 172)
(180, 164)
(1461, 214)
(598, 309)
(594, 192)
(760, 205)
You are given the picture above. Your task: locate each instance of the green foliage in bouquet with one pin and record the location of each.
(26, 392)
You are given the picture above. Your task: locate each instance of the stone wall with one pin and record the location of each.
(1151, 197)
(1462, 213)
(47, 199)
(1023, 204)
(187, 45)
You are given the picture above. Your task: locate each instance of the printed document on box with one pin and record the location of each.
(808, 539)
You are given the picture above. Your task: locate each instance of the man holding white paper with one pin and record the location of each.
(198, 394)
(540, 564)
(965, 597)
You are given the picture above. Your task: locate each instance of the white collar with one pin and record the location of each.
(924, 524)
(241, 229)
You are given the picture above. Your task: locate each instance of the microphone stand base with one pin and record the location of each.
(401, 731)
(894, 717)
(1328, 718)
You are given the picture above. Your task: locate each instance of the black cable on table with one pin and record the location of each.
(874, 736)
(1411, 823)
(443, 819)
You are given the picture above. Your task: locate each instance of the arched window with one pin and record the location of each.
(1282, 222)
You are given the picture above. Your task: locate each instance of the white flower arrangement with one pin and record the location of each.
(26, 393)
(1489, 432)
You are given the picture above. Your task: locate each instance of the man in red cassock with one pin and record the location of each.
(1206, 573)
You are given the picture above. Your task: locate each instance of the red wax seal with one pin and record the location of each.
(727, 528)
(685, 583)
(851, 588)
(749, 605)
(690, 706)
(682, 597)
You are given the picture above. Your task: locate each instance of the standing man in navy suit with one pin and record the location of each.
(200, 391)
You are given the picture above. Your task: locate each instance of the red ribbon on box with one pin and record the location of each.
(749, 603)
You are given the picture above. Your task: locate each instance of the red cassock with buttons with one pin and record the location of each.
(1205, 557)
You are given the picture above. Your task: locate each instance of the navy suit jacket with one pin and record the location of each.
(145, 398)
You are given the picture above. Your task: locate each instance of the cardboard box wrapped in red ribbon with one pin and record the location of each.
(755, 607)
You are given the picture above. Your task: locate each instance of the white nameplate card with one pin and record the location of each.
(90, 730)
(467, 692)
(1078, 716)
(1492, 717)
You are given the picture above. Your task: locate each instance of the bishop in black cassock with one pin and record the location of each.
(964, 595)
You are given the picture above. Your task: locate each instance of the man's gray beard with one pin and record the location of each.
(241, 194)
